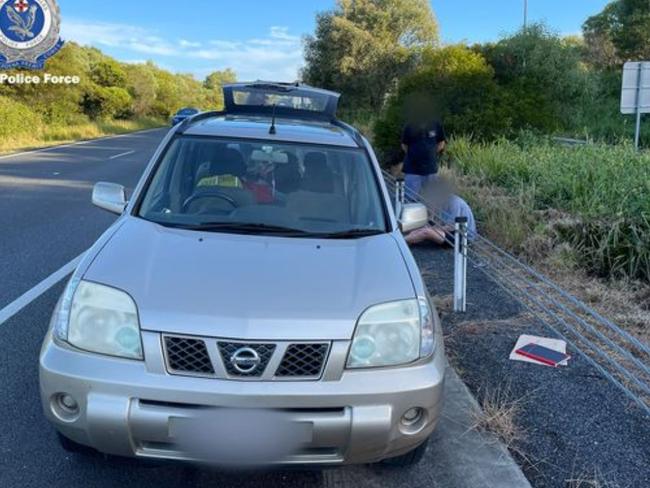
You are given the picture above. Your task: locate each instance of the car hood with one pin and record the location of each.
(250, 287)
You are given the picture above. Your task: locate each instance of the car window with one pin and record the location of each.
(298, 186)
(253, 97)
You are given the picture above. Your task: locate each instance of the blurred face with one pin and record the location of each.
(420, 109)
(438, 191)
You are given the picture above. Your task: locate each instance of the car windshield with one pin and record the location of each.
(264, 187)
(187, 111)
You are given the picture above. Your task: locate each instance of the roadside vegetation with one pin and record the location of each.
(111, 98)
(583, 209)
(595, 198)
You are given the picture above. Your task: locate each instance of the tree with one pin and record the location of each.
(541, 76)
(455, 84)
(214, 83)
(107, 102)
(362, 47)
(142, 85)
(621, 32)
(108, 72)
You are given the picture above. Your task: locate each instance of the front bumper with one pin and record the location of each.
(127, 407)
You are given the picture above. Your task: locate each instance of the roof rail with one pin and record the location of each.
(186, 123)
(354, 133)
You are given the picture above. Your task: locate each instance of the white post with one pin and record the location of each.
(637, 134)
(460, 265)
(399, 196)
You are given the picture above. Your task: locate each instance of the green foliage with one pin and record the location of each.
(107, 102)
(16, 118)
(454, 84)
(108, 72)
(604, 188)
(112, 96)
(362, 47)
(540, 76)
(533, 80)
(620, 32)
(214, 82)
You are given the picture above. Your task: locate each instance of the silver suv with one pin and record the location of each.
(254, 302)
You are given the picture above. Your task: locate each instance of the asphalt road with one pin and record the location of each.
(46, 220)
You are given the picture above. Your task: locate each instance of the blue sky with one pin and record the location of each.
(261, 39)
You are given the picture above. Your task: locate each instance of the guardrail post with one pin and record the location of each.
(460, 264)
(399, 196)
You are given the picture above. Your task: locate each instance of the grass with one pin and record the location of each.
(53, 135)
(499, 416)
(533, 192)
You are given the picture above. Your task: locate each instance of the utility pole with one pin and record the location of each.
(525, 15)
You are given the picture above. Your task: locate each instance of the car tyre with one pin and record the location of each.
(71, 446)
(410, 458)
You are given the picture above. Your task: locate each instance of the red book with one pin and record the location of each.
(542, 354)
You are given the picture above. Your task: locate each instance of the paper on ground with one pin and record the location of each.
(555, 344)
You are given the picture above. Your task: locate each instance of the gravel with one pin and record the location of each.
(579, 429)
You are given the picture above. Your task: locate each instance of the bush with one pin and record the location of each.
(107, 102)
(454, 84)
(17, 119)
(541, 76)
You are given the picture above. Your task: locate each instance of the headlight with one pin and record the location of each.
(99, 319)
(392, 333)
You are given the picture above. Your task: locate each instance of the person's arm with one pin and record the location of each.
(405, 140)
(441, 139)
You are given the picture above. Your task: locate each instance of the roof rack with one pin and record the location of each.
(328, 99)
(286, 100)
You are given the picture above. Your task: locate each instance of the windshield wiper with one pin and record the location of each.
(259, 228)
(247, 228)
(350, 234)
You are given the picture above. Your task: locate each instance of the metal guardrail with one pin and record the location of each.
(619, 356)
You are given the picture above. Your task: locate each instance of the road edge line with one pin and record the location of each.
(76, 143)
(32, 294)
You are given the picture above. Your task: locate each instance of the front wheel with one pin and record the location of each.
(411, 458)
(74, 447)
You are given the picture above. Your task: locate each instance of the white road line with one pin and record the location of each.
(121, 154)
(78, 143)
(29, 296)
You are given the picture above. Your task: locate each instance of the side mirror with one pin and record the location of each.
(109, 196)
(413, 216)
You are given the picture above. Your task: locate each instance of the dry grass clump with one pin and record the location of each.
(499, 416)
(593, 479)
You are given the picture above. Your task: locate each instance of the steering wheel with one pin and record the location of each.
(209, 193)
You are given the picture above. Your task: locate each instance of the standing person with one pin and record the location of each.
(422, 142)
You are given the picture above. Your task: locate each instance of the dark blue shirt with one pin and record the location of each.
(422, 148)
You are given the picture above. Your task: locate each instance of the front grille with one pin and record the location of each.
(229, 350)
(190, 356)
(187, 356)
(303, 360)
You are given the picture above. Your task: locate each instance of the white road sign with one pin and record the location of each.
(635, 94)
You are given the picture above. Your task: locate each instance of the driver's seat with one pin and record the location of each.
(226, 171)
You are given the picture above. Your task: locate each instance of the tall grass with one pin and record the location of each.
(605, 190)
(45, 135)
